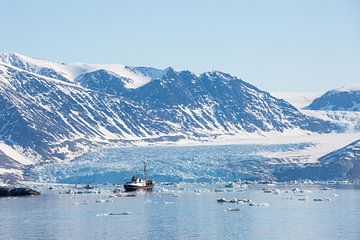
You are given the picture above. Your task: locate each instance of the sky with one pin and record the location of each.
(278, 45)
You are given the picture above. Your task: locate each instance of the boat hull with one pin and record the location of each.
(132, 188)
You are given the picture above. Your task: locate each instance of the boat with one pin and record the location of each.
(137, 183)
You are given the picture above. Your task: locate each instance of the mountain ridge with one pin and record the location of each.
(56, 120)
(346, 98)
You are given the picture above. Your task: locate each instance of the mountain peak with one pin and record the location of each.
(218, 76)
(346, 98)
(169, 71)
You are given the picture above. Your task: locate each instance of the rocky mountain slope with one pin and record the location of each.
(54, 112)
(343, 99)
(343, 163)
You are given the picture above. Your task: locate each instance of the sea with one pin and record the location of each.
(185, 211)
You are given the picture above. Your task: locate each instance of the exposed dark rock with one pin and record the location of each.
(17, 191)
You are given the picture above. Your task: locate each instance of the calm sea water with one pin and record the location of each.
(192, 213)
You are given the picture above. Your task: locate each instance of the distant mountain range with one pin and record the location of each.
(55, 111)
(343, 163)
(342, 99)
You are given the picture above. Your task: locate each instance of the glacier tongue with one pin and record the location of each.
(263, 160)
(190, 163)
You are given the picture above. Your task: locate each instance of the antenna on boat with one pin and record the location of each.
(145, 171)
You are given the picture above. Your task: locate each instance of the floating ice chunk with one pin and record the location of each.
(219, 190)
(120, 214)
(113, 214)
(81, 203)
(234, 200)
(232, 209)
(221, 200)
(103, 201)
(102, 214)
(276, 191)
(322, 199)
(263, 204)
(303, 198)
(243, 201)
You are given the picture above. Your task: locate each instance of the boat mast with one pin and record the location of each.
(145, 175)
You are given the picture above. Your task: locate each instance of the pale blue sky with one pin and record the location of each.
(288, 45)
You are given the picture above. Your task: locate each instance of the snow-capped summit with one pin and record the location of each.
(346, 98)
(70, 72)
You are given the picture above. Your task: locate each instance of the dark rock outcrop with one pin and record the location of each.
(17, 191)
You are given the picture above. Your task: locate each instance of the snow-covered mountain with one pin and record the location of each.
(343, 163)
(342, 99)
(69, 72)
(55, 111)
(349, 119)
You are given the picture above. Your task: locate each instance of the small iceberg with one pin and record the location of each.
(103, 201)
(303, 198)
(234, 200)
(322, 199)
(262, 204)
(120, 214)
(81, 203)
(113, 214)
(276, 191)
(232, 209)
(219, 190)
(244, 201)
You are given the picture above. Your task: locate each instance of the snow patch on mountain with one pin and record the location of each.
(15, 153)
